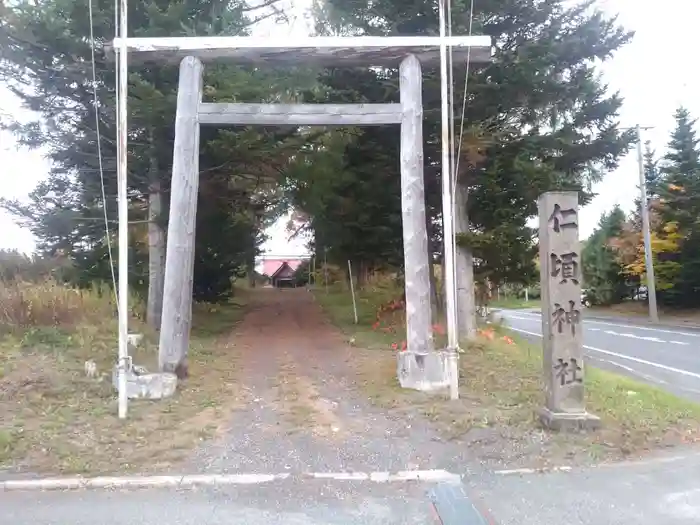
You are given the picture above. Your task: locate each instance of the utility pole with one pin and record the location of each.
(447, 211)
(651, 282)
(123, 213)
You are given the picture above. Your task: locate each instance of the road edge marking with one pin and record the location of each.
(621, 356)
(665, 329)
(192, 480)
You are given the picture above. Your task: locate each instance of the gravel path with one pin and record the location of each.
(304, 412)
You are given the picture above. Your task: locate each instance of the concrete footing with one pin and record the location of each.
(426, 372)
(140, 384)
(567, 421)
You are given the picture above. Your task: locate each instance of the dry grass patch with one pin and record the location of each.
(56, 420)
(301, 406)
(501, 390)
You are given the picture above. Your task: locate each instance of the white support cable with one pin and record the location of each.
(99, 152)
(456, 157)
(466, 88)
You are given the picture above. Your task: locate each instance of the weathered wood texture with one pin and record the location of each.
(328, 51)
(419, 366)
(156, 240)
(179, 267)
(300, 114)
(156, 256)
(464, 269)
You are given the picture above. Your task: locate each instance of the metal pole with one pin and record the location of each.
(648, 257)
(123, 208)
(325, 268)
(447, 212)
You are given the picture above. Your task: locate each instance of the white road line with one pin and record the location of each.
(591, 321)
(622, 356)
(521, 471)
(191, 480)
(679, 343)
(634, 336)
(140, 481)
(630, 370)
(384, 477)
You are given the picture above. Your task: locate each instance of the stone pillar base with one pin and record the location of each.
(424, 371)
(567, 421)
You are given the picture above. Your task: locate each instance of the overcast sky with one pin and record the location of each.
(650, 73)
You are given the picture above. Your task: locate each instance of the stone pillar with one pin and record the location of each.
(562, 331)
(420, 366)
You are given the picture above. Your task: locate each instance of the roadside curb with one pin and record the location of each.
(193, 480)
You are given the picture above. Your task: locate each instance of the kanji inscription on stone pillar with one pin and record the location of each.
(560, 277)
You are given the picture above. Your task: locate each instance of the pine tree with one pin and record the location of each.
(652, 173)
(680, 190)
(45, 56)
(538, 117)
(679, 204)
(603, 275)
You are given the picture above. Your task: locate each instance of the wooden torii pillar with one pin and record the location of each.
(420, 366)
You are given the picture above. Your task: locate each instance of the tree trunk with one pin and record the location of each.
(156, 245)
(359, 268)
(436, 307)
(466, 310)
(250, 270)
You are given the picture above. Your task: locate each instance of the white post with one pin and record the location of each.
(648, 256)
(123, 210)
(352, 291)
(527, 296)
(448, 214)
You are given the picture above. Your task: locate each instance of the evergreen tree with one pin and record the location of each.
(680, 205)
(680, 190)
(46, 58)
(603, 275)
(539, 118)
(652, 173)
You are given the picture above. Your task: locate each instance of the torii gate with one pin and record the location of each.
(420, 366)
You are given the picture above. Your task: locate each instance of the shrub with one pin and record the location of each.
(17, 266)
(25, 305)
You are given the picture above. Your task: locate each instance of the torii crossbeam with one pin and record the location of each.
(420, 366)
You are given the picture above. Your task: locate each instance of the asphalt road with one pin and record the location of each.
(665, 356)
(662, 491)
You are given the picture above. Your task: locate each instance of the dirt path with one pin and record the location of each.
(303, 412)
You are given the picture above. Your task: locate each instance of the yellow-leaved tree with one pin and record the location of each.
(665, 248)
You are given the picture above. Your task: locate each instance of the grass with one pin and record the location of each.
(501, 388)
(515, 303)
(56, 420)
